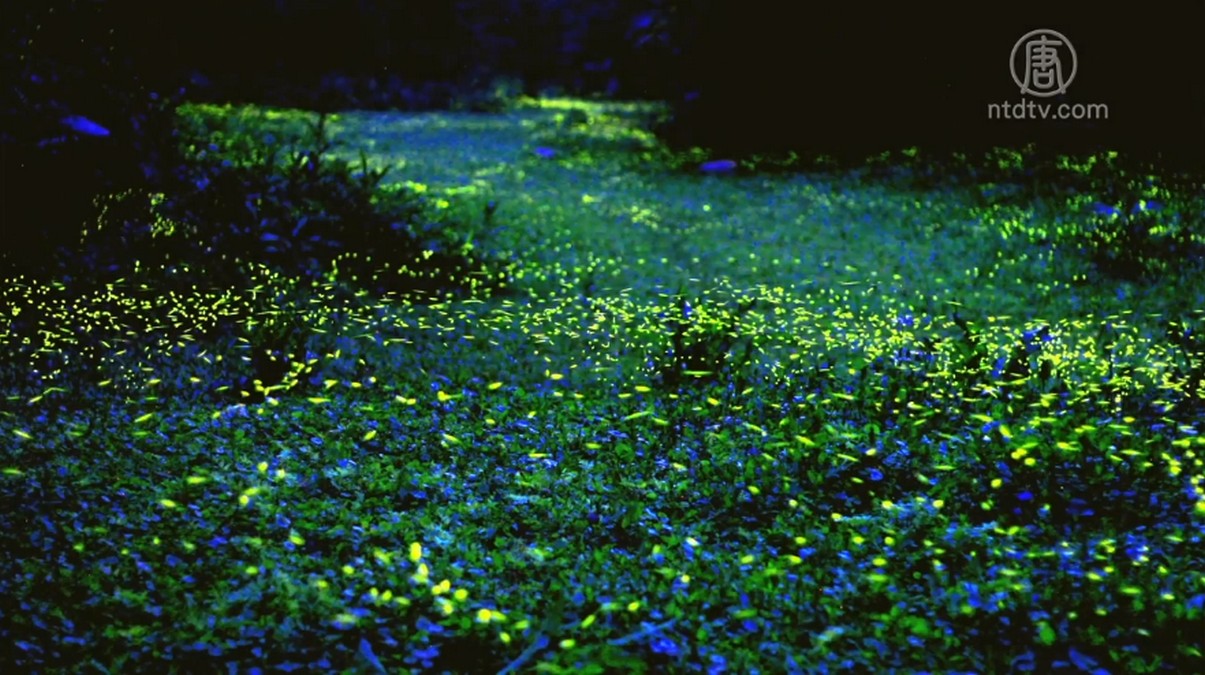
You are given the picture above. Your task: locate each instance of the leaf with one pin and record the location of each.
(1046, 634)
(83, 125)
(370, 657)
(1084, 662)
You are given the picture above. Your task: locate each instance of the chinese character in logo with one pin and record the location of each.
(1047, 54)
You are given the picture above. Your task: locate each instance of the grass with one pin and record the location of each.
(888, 418)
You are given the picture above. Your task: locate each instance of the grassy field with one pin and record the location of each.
(902, 417)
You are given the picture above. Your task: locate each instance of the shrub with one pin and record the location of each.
(706, 345)
(244, 197)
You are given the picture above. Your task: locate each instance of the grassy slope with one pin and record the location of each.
(860, 489)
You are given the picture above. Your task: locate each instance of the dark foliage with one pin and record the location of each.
(850, 82)
(87, 109)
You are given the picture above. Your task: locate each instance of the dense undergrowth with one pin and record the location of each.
(920, 415)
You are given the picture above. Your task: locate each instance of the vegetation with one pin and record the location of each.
(615, 413)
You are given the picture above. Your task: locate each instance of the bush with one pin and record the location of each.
(706, 345)
(244, 197)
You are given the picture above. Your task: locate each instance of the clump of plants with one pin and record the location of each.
(706, 344)
(581, 132)
(1130, 221)
(243, 196)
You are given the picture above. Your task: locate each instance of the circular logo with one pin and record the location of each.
(1043, 63)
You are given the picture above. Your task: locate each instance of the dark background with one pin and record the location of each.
(890, 76)
(741, 76)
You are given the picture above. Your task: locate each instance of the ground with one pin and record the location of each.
(759, 421)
